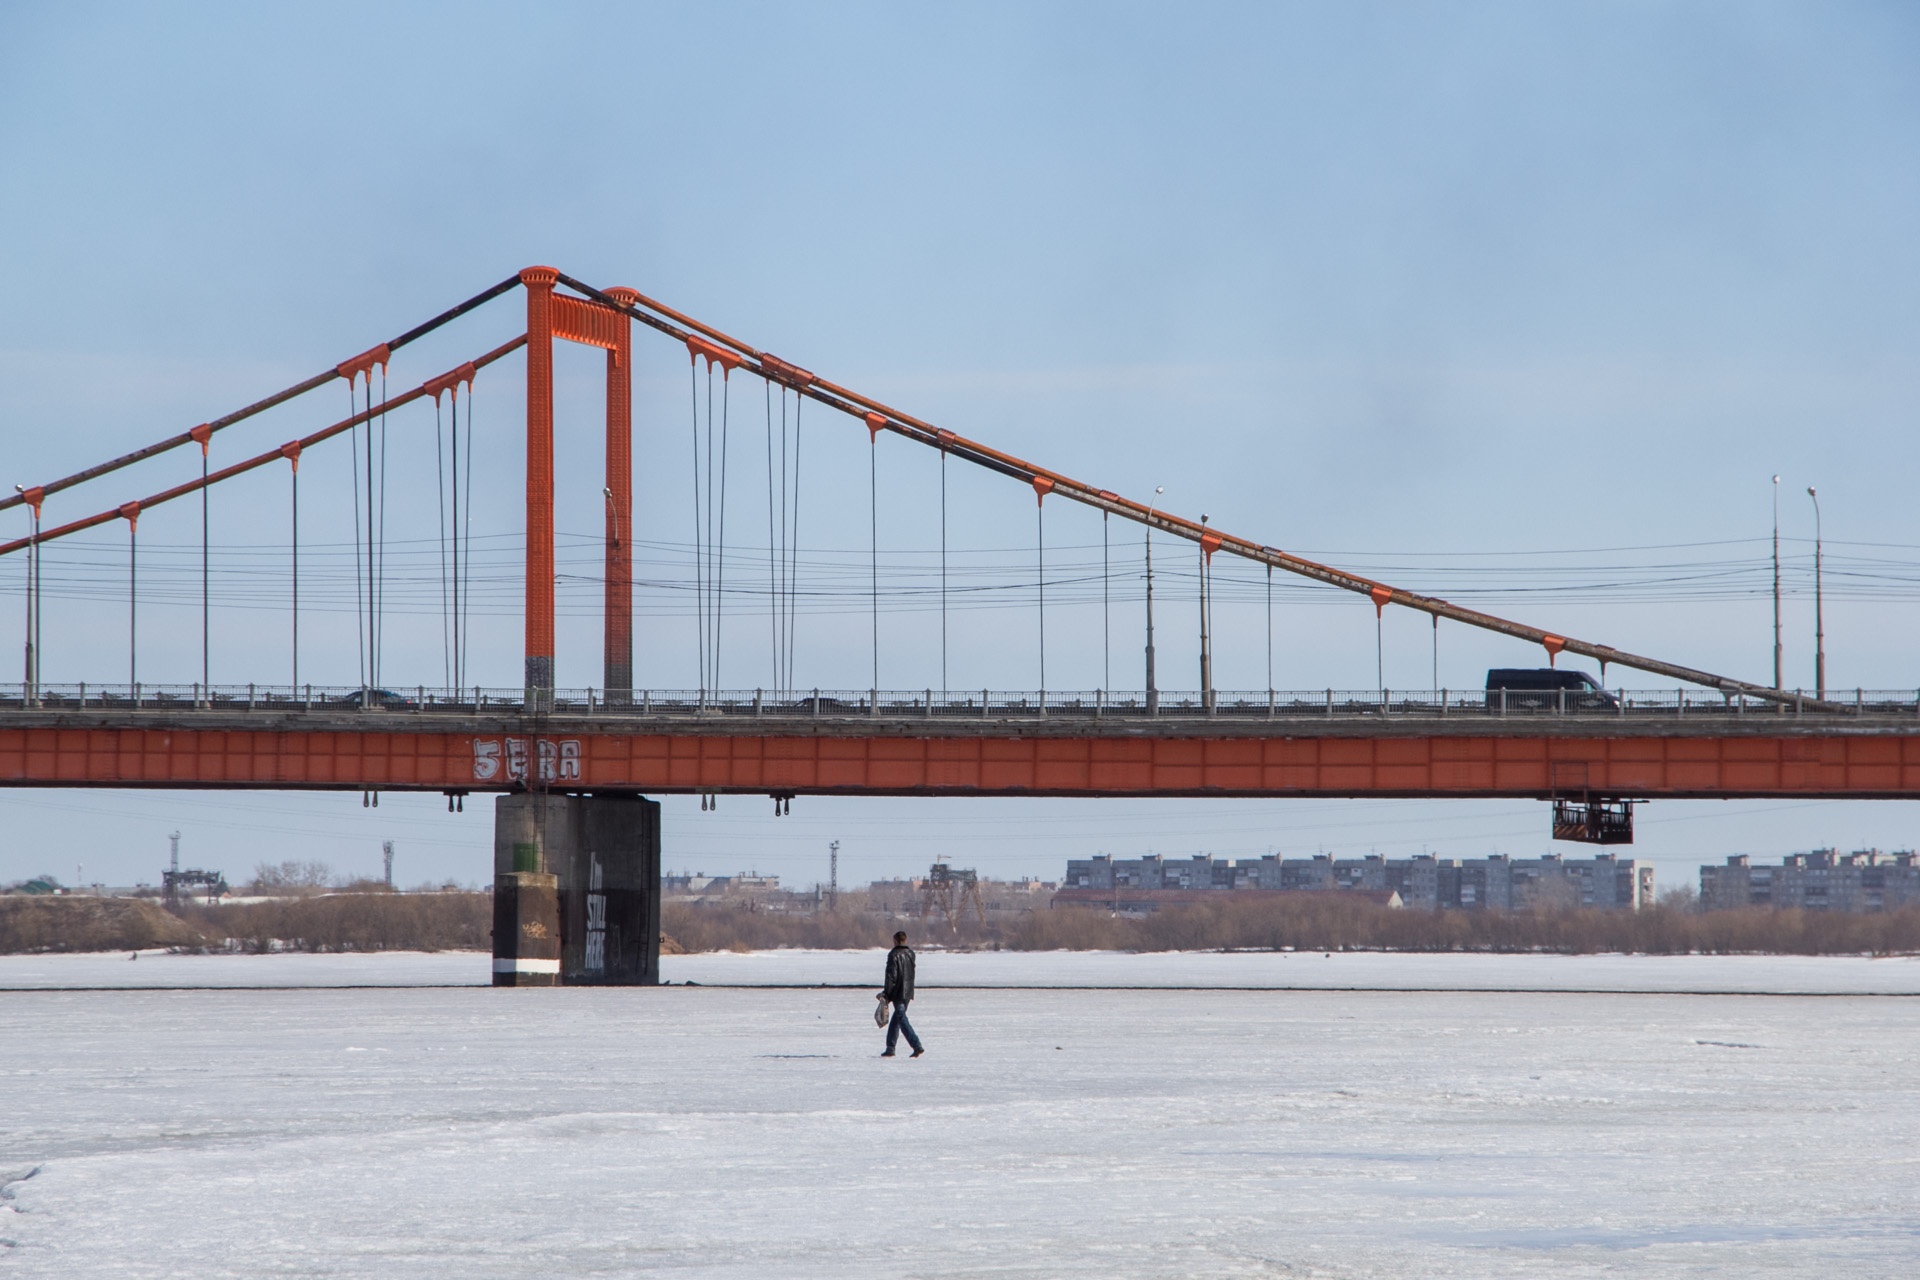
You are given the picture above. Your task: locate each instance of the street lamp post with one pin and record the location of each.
(1819, 616)
(1777, 677)
(1153, 694)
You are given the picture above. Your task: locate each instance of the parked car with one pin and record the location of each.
(1540, 688)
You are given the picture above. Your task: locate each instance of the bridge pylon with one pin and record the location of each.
(593, 324)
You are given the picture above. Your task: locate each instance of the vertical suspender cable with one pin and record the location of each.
(133, 604)
(793, 545)
(773, 541)
(206, 613)
(1436, 648)
(707, 663)
(32, 595)
(699, 540)
(380, 599)
(453, 525)
(1106, 610)
(39, 603)
(1269, 630)
(370, 677)
(720, 543)
(296, 572)
(873, 544)
(943, 567)
(1040, 543)
(464, 636)
(359, 598)
(440, 527)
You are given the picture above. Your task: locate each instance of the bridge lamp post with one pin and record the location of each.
(1153, 695)
(1819, 619)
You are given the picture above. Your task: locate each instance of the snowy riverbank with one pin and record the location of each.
(1311, 971)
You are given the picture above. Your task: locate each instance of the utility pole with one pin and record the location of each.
(1153, 694)
(1819, 617)
(1778, 678)
(833, 875)
(386, 853)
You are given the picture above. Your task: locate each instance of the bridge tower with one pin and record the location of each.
(593, 324)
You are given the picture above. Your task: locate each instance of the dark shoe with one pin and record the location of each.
(916, 1053)
(888, 1054)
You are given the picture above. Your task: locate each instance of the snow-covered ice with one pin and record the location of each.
(743, 1131)
(1810, 975)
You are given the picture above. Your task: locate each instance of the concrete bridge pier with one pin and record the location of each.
(576, 890)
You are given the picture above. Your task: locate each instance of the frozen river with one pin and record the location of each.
(743, 1131)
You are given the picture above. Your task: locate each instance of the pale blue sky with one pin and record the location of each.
(1468, 296)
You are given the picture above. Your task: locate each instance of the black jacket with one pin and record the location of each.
(900, 974)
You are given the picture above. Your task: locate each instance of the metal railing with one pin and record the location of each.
(928, 704)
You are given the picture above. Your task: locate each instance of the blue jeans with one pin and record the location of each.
(898, 1025)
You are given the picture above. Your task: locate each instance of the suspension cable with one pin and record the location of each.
(261, 406)
(1106, 609)
(1269, 630)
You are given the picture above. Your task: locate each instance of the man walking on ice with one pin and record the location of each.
(899, 990)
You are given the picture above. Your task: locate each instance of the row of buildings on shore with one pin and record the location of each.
(1430, 883)
(1822, 880)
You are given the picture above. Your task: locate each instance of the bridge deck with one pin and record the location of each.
(1724, 753)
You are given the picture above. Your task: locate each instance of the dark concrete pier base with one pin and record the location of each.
(601, 856)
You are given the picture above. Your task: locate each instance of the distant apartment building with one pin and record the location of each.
(1823, 880)
(1472, 884)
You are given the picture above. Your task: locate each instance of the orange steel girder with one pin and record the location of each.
(1747, 767)
(551, 316)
